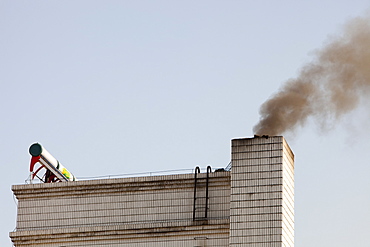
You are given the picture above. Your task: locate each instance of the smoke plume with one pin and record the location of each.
(326, 88)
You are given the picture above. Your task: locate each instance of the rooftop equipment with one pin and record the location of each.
(55, 172)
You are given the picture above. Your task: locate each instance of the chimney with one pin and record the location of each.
(262, 192)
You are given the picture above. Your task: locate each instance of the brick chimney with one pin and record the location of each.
(262, 192)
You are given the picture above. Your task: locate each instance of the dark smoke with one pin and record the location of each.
(325, 89)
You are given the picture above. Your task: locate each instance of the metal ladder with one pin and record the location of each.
(201, 202)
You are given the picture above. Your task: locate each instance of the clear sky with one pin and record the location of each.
(115, 87)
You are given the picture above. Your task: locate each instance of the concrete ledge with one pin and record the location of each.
(125, 231)
(68, 189)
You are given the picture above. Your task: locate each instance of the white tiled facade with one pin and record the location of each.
(262, 193)
(250, 206)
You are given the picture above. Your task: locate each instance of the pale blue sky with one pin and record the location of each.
(113, 87)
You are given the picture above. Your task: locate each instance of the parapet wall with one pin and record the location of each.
(161, 203)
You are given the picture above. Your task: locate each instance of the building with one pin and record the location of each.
(250, 205)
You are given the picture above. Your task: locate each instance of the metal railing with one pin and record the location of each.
(143, 174)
